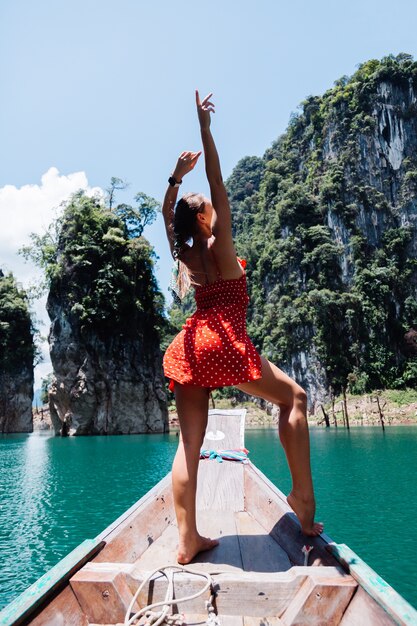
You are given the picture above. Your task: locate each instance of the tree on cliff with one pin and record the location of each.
(17, 353)
(332, 243)
(98, 260)
(106, 316)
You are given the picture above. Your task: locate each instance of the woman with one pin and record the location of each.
(213, 349)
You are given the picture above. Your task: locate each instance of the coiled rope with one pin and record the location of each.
(154, 618)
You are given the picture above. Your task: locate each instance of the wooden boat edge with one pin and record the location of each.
(19, 610)
(22, 607)
(386, 596)
(46, 586)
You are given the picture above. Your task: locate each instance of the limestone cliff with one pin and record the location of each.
(16, 358)
(104, 307)
(103, 386)
(328, 222)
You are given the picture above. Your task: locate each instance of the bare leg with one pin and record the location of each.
(275, 386)
(192, 407)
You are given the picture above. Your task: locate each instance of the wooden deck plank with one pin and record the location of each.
(269, 506)
(320, 602)
(225, 429)
(160, 552)
(364, 610)
(260, 552)
(217, 524)
(196, 619)
(220, 486)
(231, 620)
(237, 593)
(262, 621)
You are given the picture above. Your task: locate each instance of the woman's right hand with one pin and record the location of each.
(186, 162)
(204, 109)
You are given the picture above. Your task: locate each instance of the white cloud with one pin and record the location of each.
(28, 209)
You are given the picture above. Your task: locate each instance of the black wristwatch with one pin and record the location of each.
(174, 182)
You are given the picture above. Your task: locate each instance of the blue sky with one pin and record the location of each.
(99, 88)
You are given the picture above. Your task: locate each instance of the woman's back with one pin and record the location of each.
(206, 263)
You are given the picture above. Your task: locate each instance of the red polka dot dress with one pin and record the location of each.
(213, 348)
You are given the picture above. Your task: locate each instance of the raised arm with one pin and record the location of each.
(186, 162)
(222, 226)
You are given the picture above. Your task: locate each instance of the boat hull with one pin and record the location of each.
(258, 568)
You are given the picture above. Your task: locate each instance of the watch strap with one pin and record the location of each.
(174, 182)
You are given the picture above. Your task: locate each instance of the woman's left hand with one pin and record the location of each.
(186, 162)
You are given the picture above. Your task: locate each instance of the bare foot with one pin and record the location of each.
(188, 550)
(305, 508)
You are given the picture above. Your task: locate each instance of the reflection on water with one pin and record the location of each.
(25, 505)
(31, 531)
(54, 493)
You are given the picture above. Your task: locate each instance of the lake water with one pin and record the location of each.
(54, 493)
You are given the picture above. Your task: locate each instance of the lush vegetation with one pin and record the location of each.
(401, 396)
(17, 348)
(320, 220)
(45, 385)
(100, 268)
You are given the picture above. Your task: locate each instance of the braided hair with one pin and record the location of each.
(183, 228)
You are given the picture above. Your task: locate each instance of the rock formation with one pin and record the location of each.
(104, 341)
(16, 358)
(110, 386)
(328, 222)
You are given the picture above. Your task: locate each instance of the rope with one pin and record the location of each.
(306, 551)
(155, 618)
(240, 454)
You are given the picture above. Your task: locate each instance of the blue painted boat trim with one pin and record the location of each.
(390, 600)
(24, 605)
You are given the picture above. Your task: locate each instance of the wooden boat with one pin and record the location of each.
(258, 574)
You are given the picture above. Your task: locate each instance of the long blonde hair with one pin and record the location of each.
(183, 228)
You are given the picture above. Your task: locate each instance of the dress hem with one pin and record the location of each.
(172, 382)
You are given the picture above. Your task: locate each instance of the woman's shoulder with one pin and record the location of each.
(222, 248)
(228, 260)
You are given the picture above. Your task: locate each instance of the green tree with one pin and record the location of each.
(17, 347)
(102, 267)
(45, 385)
(137, 218)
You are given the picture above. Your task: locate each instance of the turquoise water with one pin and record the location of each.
(54, 493)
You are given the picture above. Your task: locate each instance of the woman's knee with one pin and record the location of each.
(298, 398)
(300, 395)
(277, 387)
(192, 439)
